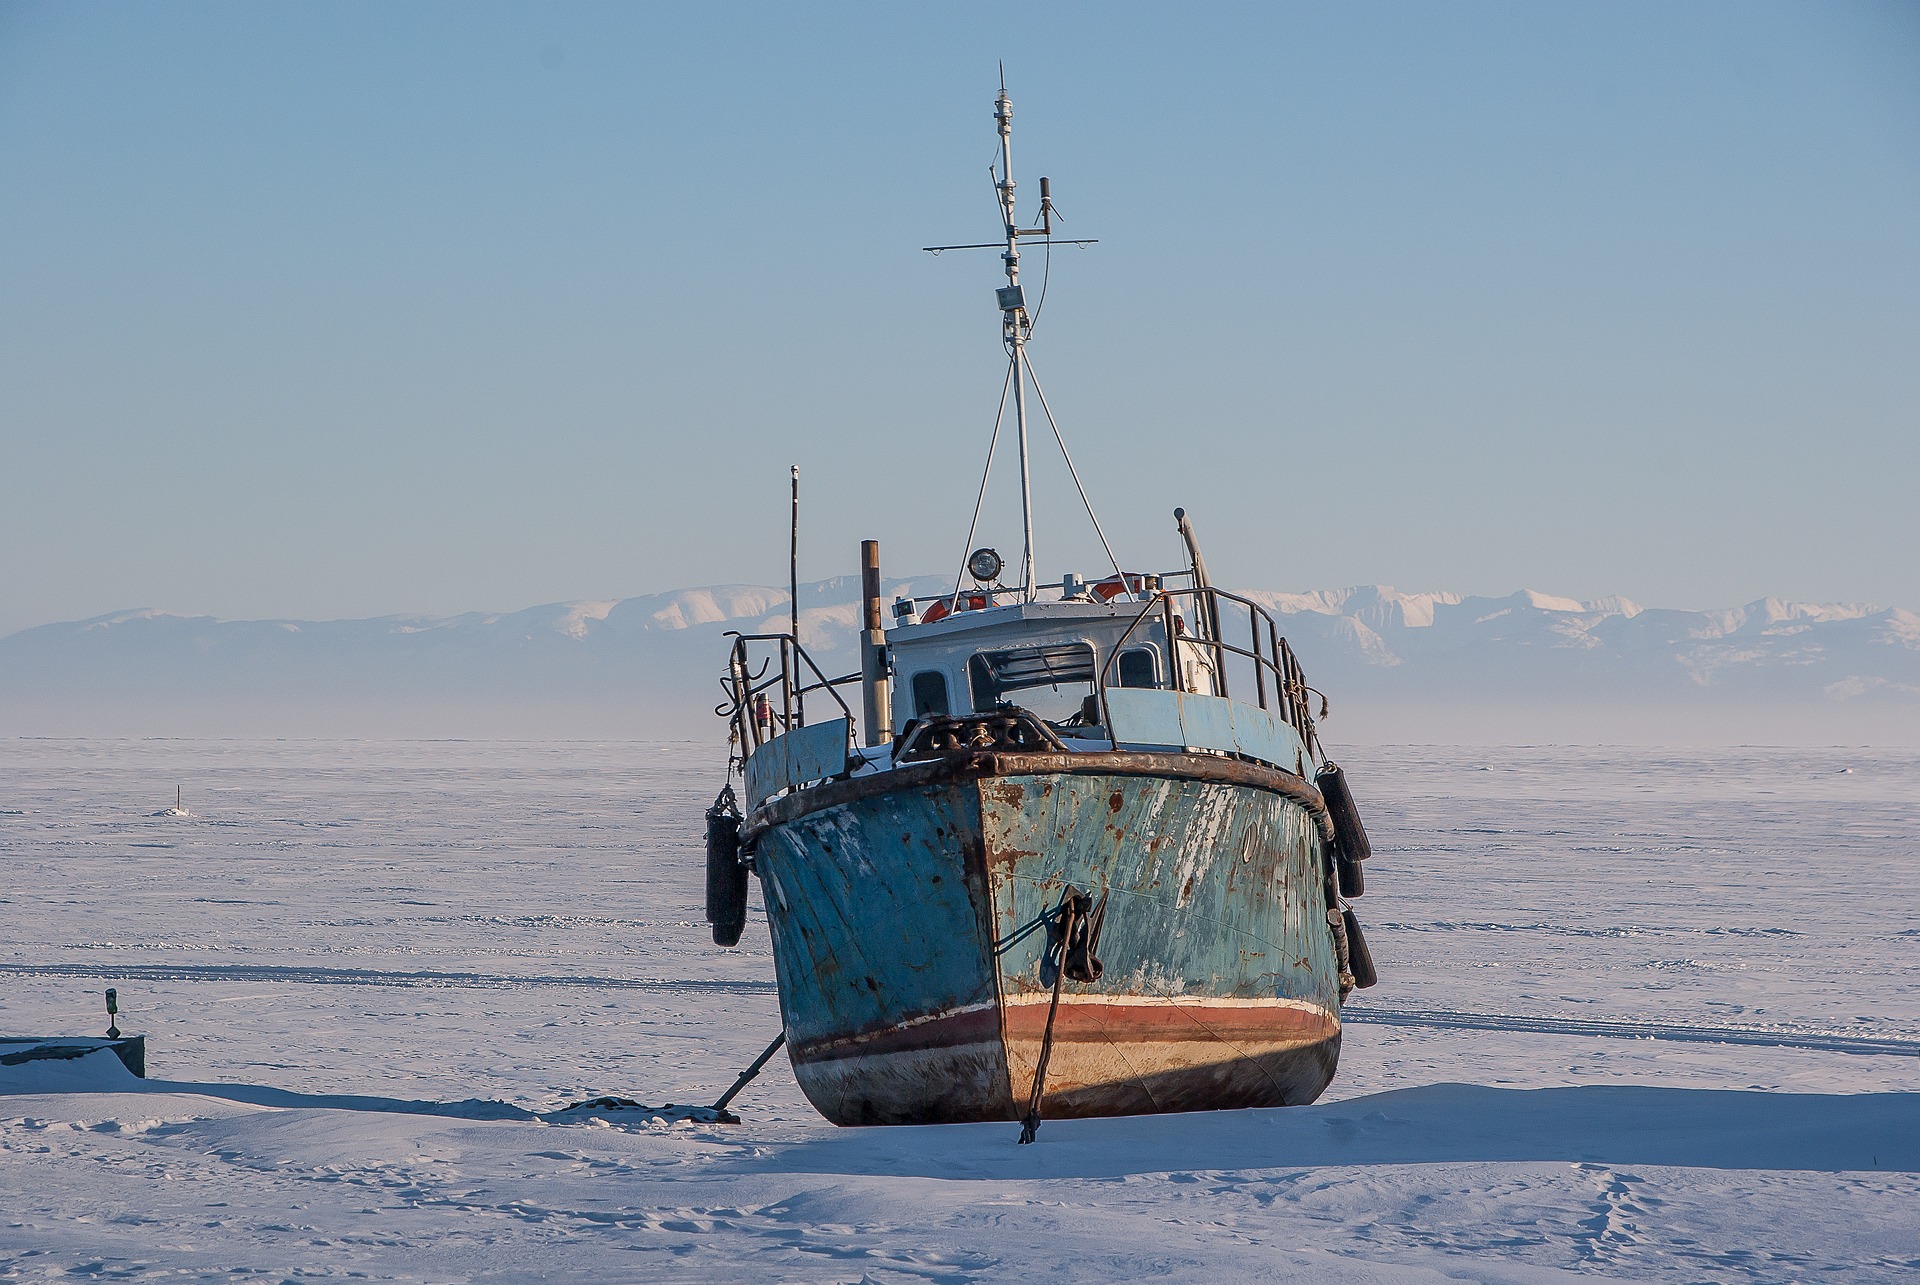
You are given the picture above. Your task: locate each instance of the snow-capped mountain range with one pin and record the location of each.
(652, 662)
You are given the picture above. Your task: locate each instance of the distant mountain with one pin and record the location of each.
(1534, 645)
(650, 665)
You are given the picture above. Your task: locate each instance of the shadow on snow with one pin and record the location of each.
(1433, 1124)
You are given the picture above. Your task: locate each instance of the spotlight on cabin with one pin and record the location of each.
(985, 565)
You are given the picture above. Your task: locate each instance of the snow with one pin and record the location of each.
(1646, 1014)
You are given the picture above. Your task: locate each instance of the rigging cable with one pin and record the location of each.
(1068, 457)
(1046, 275)
(998, 417)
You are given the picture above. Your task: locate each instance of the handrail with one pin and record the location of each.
(1289, 682)
(744, 687)
(841, 681)
(949, 595)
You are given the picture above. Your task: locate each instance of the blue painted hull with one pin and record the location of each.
(909, 939)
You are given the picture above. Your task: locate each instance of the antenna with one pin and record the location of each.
(793, 577)
(1016, 324)
(793, 556)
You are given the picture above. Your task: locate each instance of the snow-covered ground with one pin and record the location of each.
(1652, 1015)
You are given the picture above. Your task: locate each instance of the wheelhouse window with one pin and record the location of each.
(1055, 681)
(930, 694)
(1137, 668)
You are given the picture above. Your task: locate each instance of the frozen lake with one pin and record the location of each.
(1644, 1013)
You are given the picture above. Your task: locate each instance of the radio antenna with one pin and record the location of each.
(1016, 324)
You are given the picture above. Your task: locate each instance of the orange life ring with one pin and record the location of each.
(1113, 586)
(941, 609)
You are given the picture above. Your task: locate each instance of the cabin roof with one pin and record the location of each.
(1004, 619)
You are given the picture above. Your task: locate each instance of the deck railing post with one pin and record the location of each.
(786, 689)
(1178, 676)
(1279, 678)
(1212, 609)
(1259, 672)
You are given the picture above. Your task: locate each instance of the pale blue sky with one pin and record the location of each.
(322, 310)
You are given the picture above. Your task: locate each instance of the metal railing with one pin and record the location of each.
(997, 595)
(757, 718)
(1279, 684)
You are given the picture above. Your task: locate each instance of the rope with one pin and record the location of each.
(1030, 1127)
(1046, 275)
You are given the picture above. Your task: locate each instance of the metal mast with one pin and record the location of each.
(1014, 325)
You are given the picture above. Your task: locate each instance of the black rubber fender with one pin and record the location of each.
(1359, 958)
(726, 877)
(1348, 833)
(1353, 880)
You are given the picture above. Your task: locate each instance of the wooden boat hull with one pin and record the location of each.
(911, 942)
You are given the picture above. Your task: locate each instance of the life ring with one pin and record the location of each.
(944, 607)
(1113, 586)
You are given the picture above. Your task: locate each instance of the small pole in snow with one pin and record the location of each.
(113, 1013)
(746, 1076)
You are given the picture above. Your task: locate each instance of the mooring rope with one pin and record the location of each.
(1030, 1127)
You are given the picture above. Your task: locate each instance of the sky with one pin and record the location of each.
(353, 309)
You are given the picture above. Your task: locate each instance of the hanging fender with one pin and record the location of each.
(1359, 957)
(1348, 833)
(1353, 879)
(726, 873)
(1350, 845)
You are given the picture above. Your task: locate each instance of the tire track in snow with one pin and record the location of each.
(372, 977)
(1758, 1036)
(1441, 1019)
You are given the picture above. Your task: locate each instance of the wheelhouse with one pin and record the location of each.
(1043, 657)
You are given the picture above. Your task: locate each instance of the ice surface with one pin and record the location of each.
(1645, 1014)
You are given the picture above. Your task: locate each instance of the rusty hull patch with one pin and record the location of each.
(1215, 933)
(908, 936)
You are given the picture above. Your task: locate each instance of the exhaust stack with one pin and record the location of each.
(875, 716)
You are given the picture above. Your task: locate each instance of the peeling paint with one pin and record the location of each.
(1222, 994)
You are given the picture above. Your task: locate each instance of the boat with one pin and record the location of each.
(1080, 850)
